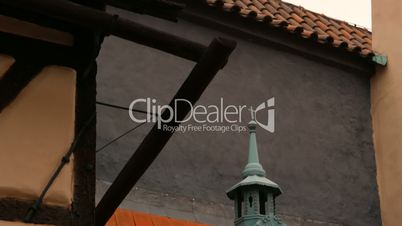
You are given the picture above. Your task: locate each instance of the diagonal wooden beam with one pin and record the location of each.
(204, 71)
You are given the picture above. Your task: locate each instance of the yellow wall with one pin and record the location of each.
(36, 130)
(386, 94)
(5, 63)
(8, 223)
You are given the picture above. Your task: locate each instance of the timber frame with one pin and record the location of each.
(89, 27)
(16, 78)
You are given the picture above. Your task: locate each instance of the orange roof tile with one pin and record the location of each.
(302, 22)
(129, 218)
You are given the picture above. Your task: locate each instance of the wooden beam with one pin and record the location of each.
(164, 9)
(108, 24)
(213, 60)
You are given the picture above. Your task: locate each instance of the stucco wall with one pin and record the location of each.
(5, 63)
(36, 130)
(386, 109)
(9, 223)
(321, 152)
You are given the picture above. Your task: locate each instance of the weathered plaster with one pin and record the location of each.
(9, 223)
(386, 100)
(36, 130)
(321, 153)
(5, 63)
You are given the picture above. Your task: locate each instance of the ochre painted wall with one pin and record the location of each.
(386, 98)
(5, 63)
(36, 130)
(8, 223)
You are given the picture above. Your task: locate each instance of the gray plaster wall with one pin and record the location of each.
(321, 153)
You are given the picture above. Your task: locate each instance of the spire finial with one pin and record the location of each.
(252, 113)
(253, 167)
(252, 125)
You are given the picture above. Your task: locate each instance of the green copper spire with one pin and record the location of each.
(253, 167)
(254, 196)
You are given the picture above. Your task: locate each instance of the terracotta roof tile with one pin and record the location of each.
(302, 22)
(140, 219)
(129, 218)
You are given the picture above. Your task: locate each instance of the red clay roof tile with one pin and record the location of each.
(302, 22)
(129, 218)
(141, 219)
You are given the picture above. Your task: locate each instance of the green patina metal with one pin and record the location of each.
(380, 59)
(254, 196)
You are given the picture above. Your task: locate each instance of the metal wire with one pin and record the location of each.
(120, 107)
(66, 158)
(125, 133)
(117, 138)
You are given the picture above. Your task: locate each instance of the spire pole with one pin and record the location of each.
(253, 167)
(254, 196)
